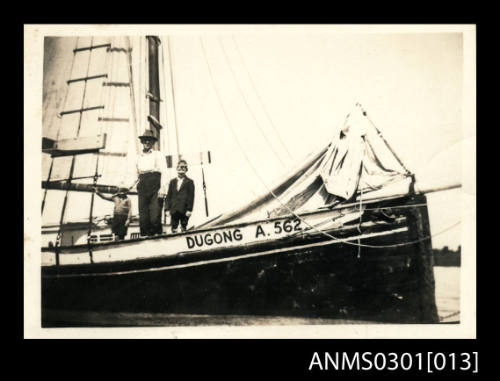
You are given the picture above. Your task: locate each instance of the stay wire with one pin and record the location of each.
(247, 105)
(259, 98)
(102, 95)
(110, 101)
(172, 89)
(63, 212)
(132, 92)
(277, 198)
(379, 133)
(221, 103)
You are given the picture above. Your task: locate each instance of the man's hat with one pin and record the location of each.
(148, 134)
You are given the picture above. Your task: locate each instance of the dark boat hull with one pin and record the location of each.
(307, 277)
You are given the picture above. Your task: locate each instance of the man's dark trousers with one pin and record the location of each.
(150, 206)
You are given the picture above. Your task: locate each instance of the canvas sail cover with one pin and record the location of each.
(356, 161)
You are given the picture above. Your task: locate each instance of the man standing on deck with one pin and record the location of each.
(152, 186)
(180, 198)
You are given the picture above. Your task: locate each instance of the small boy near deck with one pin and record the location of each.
(180, 198)
(122, 213)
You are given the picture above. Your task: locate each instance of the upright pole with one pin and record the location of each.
(154, 88)
(204, 184)
(132, 94)
(172, 87)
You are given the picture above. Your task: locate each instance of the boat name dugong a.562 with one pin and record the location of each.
(209, 239)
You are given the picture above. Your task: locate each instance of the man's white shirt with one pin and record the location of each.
(153, 161)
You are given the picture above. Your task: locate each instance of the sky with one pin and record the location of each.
(261, 100)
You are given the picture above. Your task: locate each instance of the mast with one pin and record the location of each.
(153, 93)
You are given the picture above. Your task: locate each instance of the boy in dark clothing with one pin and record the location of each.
(180, 198)
(122, 212)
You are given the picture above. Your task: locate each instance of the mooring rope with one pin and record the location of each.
(449, 316)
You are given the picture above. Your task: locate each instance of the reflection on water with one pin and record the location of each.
(448, 293)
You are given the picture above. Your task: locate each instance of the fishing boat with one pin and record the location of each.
(342, 235)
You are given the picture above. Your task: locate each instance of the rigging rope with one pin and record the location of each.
(217, 260)
(248, 106)
(110, 101)
(238, 141)
(222, 106)
(164, 109)
(172, 88)
(259, 97)
(60, 123)
(360, 221)
(102, 93)
(132, 111)
(385, 246)
(63, 212)
(333, 238)
(132, 93)
(143, 109)
(383, 139)
(140, 92)
(277, 198)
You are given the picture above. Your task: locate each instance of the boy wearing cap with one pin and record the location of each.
(152, 186)
(122, 212)
(180, 198)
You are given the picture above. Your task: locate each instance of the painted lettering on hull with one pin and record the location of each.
(211, 238)
(248, 233)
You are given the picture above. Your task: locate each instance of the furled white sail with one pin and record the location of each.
(356, 161)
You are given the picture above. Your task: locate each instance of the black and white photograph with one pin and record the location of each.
(250, 181)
